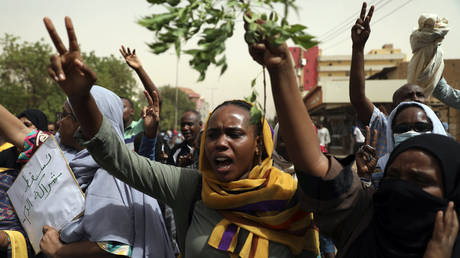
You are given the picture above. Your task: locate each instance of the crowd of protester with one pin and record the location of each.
(226, 187)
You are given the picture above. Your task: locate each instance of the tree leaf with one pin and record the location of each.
(256, 115)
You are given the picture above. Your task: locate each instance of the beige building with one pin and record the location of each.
(452, 76)
(337, 67)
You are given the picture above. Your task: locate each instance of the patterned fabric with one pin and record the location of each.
(379, 122)
(116, 248)
(8, 219)
(32, 141)
(130, 132)
(264, 204)
(9, 222)
(447, 94)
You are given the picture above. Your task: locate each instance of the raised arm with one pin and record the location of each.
(295, 123)
(445, 93)
(169, 184)
(359, 34)
(133, 61)
(75, 78)
(12, 129)
(151, 116)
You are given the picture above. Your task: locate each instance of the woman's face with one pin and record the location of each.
(411, 118)
(27, 122)
(68, 125)
(230, 143)
(420, 168)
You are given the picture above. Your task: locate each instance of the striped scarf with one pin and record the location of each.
(264, 204)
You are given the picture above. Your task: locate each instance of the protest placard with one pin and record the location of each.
(46, 192)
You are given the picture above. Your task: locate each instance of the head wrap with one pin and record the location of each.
(404, 214)
(437, 128)
(37, 118)
(138, 221)
(263, 204)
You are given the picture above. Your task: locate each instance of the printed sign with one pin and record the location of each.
(46, 192)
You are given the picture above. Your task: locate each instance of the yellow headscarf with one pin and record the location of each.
(264, 205)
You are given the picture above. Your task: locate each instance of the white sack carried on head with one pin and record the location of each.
(427, 64)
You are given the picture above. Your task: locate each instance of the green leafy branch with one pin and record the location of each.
(213, 22)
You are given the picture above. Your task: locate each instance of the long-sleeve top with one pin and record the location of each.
(179, 188)
(342, 204)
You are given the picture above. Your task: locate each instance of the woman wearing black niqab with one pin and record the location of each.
(404, 214)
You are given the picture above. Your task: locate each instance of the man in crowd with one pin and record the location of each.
(368, 114)
(131, 127)
(186, 153)
(323, 136)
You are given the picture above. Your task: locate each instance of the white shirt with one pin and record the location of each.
(323, 136)
(359, 137)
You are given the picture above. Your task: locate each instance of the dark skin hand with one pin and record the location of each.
(52, 247)
(366, 156)
(296, 126)
(74, 78)
(4, 241)
(359, 34)
(135, 63)
(444, 234)
(185, 160)
(151, 115)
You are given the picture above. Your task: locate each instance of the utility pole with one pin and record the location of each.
(177, 89)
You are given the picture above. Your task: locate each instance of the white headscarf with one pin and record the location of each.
(437, 128)
(115, 211)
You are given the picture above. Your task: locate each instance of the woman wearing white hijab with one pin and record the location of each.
(394, 138)
(118, 220)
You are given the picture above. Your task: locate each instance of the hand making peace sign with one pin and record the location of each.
(366, 156)
(361, 30)
(67, 68)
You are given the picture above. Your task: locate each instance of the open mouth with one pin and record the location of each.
(223, 164)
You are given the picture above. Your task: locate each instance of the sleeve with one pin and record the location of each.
(171, 185)
(32, 141)
(378, 122)
(445, 93)
(147, 148)
(338, 201)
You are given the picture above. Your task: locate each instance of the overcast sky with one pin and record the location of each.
(103, 25)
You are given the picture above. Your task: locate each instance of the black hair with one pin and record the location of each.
(243, 104)
(130, 102)
(198, 115)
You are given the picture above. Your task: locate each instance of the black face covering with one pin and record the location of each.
(404, 213)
